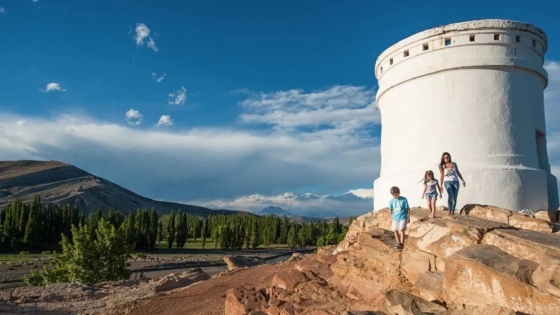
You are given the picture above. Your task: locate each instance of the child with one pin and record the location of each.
(430, 192)
(400, 213)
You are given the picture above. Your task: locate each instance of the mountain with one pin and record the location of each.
(276, 211)
(61, 183)
(279, 212)
(325, 215)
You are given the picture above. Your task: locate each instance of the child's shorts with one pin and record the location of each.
(431, 196)
(399, 225)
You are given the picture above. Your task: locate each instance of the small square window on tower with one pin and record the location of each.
(496, 36)
(447, 41)
(534, 43)
(425, 47)
(405, 53)
(518, 39)
(381, 69)
(391, 61)
(471, 38)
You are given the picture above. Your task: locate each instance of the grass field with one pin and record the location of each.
(160, 248)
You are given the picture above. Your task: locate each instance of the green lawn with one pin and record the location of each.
(192, 247)
(19, 257)
(161, 248)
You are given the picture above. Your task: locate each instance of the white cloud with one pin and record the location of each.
(21, 122)
(206, 164)
(364, 193)
(133, 117)
(298, 204)
(2, 10)
(157, 78)
(52, 87)
(143, 32)
(349, 110)
(152, 44)
(165, 120)
(178, 98)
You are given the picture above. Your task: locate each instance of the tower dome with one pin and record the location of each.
(475, 90)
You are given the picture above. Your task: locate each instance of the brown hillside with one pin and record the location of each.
(62, 183)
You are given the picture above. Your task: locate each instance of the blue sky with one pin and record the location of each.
(258, 102)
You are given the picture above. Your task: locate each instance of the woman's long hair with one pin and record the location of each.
(442, 162)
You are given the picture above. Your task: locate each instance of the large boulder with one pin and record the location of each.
(399, 302)
(487, 212)
(429, 286)
(182, 280)
(524, 244)
(483, 275)
(369, 267)
(516, 219)
(547, 275)
(236, 262)
(443, 237)
(527, 222)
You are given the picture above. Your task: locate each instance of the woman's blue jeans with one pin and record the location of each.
(452, 189)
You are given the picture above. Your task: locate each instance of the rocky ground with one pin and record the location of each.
(154, 265)
(485, 261)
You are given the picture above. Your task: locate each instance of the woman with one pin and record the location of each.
(449, 177)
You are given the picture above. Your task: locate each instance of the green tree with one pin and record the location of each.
(255, 235)
(88, 260)
(171, 230)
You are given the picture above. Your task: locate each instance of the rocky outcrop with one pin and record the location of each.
(486, 261)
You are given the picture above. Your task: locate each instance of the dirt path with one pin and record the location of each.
(207, 297)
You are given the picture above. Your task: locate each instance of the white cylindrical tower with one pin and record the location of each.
(475, 90)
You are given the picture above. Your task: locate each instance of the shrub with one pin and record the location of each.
(88, 259)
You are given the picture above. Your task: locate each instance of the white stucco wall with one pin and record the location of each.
(475, 90)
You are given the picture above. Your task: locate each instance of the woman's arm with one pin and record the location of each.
(441, 175)
(440, 190)
(459, 174)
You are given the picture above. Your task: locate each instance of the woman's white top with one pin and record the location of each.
(450, 174)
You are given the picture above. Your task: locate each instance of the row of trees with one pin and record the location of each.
(42, 226)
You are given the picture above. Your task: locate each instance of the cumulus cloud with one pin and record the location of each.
(152, 45)
(2, 10)
(203, 164)
(165, 120)
(364, 193)
(53, 86)
(177, 98)
(133, 117)
(143, 33)
(158, 78)
(347, 110)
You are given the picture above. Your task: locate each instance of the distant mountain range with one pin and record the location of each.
(305, 217)
(61, 183)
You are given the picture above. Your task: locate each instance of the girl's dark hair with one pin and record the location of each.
(442, 162)
(426, 176)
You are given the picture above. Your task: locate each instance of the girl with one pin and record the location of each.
(430, 192)
(450, 175)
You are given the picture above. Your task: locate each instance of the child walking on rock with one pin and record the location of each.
(400, 215)
(431, 187)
